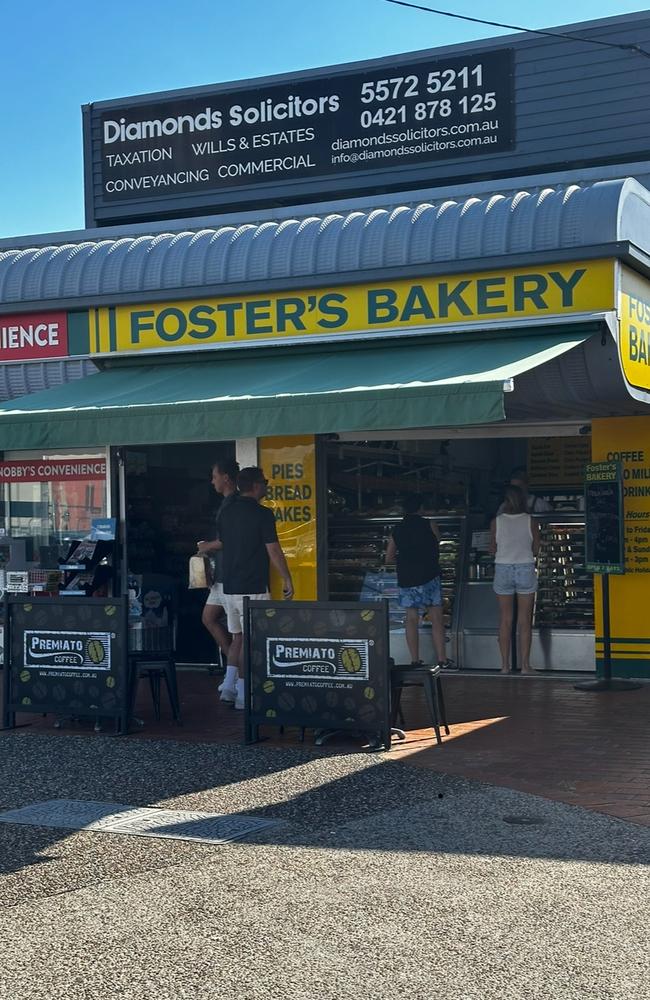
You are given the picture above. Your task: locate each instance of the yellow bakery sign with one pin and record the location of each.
(434, 304)
(634, 332)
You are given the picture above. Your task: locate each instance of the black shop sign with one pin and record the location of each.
(316, 665)
(604, 518)
(65, 655)
(378, 120)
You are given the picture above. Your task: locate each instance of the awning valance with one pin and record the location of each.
(254, 394)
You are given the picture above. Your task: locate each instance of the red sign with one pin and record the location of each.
(49, 470)
(32, 337)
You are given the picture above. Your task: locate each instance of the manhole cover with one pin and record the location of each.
(516, 820)
(111, 817)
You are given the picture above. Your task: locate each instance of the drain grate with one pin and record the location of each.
(515, 820)
(111, 817)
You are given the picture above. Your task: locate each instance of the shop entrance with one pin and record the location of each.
(461, 480)
(170, 505)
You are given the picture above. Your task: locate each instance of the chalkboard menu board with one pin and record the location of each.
(66, 655)
(604, 548)
(318, 666)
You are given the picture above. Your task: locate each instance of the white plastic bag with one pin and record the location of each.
(200, 573)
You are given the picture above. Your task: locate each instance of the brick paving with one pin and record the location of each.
(533, 734)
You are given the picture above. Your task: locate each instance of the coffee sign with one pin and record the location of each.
(319, 666)
(66, 650)
(298, 659)
(66, 655)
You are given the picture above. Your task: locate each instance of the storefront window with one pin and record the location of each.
(49, 501)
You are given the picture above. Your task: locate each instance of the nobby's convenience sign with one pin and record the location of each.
(432, 303)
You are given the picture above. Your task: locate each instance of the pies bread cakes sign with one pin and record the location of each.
(318, 666)
(67, 656)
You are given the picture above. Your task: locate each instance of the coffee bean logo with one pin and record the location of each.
(309, 704)
(367, 615)
(39, 690)
(332, 699)
(337, 618)
(286, 702)
(269, 686)
(24, 676)
(26, 701)
(110, 682)
(95, 650)
(350, 659)
(270, 612)
(271, 713)
(28, 607)
(369, 693)
(58, 692)
(367, 712)
(110, 610)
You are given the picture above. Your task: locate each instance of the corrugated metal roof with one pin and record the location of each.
(447, 230)
(18, 379)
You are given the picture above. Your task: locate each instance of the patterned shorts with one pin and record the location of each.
(427, 595)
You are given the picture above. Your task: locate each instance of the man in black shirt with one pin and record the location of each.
(224, 481)
(249, 540)
(414, 546)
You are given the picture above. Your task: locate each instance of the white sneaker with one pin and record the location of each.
(239, 703)
(229, 695)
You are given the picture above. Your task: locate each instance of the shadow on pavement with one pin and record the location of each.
(350, 802)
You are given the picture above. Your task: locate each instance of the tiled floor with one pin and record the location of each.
(535, 734)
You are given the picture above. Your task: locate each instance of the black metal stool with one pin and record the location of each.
(151, 656)
(428, 677)
(156, 672)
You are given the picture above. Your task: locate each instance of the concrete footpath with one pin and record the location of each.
(381, 881)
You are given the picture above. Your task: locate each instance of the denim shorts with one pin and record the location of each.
(427, 595)
(515, 578)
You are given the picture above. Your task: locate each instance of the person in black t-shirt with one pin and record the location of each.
(224, 481)
(250, 542)
(414, 546)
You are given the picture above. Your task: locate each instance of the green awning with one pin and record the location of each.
(256, 393)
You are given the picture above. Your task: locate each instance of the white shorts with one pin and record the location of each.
(216, 595)
(234, 605)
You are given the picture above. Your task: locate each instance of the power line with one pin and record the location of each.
(529, 31)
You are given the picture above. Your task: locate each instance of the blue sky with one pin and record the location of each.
(57, 57)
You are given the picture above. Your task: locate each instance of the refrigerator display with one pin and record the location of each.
(565, 598)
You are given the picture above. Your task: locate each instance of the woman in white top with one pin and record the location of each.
(515, 543)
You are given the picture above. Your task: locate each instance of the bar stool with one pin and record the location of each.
(156, 664)
(425, 676)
